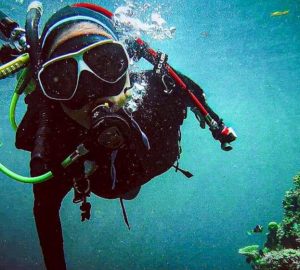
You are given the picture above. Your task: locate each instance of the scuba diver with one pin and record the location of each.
(77, 81)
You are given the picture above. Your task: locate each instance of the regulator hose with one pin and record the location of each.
(34, 13)
(40, 151)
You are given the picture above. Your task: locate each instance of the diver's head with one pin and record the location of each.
(83, 61)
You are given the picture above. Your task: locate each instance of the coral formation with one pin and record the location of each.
(281, 250)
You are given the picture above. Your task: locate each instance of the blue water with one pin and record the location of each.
(249, 65)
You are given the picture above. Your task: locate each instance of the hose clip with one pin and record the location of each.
(80, 151)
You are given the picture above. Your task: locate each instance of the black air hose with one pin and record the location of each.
(33, 17)
(40, 152)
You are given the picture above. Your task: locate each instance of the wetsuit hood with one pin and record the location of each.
(68, 16)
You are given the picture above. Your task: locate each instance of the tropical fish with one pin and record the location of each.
(279, 13)
(256, 229)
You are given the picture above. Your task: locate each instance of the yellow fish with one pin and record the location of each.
(279, 13)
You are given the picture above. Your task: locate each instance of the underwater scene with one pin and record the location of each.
(215, 208)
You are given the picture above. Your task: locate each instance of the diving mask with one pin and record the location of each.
(59, 77)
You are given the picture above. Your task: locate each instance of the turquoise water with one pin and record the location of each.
(249, 65)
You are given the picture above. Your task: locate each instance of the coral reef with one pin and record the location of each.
(281, 250)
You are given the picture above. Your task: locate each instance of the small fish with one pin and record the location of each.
(279, 13)
(256, 229)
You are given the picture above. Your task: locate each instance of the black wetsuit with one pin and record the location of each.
(159, 116)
